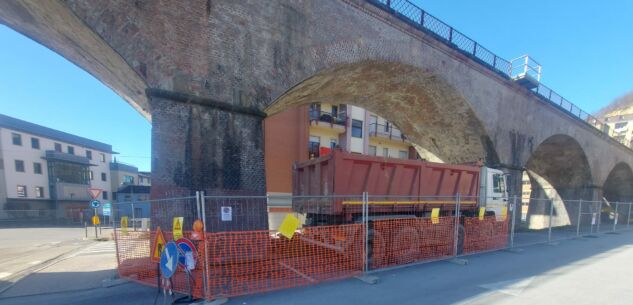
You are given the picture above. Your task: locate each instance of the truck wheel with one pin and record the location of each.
(406, 246)
(377, 249)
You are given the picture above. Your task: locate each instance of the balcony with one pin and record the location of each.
(327, 119)
(386, 131)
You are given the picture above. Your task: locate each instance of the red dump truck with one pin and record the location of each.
(396, 187)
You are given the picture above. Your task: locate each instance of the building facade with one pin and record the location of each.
(305, 132)
(47, 169)
(620, 127)
(131, 190)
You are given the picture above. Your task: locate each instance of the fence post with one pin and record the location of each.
(133, 218)
(365, 211)
(551, 214)
(628, 218)
(514, 208)
(599, 215)
(458, 202)
(450, 34)
(422, 18)
(206, 244)
(615, 216)
(578, 222)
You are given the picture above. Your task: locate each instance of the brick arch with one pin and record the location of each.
(562, 162)
(432, 113)
(619, 183)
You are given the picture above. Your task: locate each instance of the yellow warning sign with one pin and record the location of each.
(289, 226)
(95, 220)
(504, 213)
(177, 227)
(124, 225)
(435, 215)
(158, 245)
(482, 212)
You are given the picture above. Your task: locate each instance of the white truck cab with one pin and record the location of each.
(493, 195)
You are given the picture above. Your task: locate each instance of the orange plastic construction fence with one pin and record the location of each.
(401, 241)
(485, 235)
(246, 262)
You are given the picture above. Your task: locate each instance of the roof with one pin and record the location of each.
(24, 126)
(117, 166)
(52, 155)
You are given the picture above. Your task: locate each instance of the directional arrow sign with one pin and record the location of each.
(169, 260)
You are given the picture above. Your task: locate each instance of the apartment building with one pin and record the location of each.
(47, 169)
(131, 190)
(306, 132)
(620, 127)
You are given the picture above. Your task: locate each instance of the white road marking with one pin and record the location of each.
(101, 247)
(4, 274)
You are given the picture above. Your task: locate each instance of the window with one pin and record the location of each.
(58, 147)
(498, 183)
(21, 190)
(71, 150)
(128, 179)
(104, 194)
(385, 152)
(17, 139)
(104, 177)
(35, 143)
(403, 154)
(91, 175)
(37, 168)
(313, 147)
(334, 111)
(373, 123)
(357, 128)
(102, 156)
(333, 143)
(114, 195)
(372, 150)
(39, 192)
(89, 154)
(620, 125)
(19, 166)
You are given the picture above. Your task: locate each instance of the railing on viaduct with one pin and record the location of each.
(418, 18)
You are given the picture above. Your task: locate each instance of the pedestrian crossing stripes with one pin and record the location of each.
(98, 248)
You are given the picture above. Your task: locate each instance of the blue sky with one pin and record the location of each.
(584, 47)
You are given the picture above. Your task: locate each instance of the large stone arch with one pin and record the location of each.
(433, 114)
(619, 184)
(562, 161)
(560, 175)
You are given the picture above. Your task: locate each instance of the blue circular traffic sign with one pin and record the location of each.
(188, 254)
(169, 260)
(95, 203)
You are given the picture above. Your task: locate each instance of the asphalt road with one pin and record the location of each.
(579, 272)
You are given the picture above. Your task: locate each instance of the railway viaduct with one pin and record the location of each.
(206, 73)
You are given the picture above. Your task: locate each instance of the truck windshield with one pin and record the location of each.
(498, 183)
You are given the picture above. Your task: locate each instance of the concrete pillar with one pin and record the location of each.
(202, 144)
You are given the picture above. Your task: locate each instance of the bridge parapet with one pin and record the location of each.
(420, 19)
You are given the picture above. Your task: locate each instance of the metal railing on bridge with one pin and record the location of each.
(420, 19)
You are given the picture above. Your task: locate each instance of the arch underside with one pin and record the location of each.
(432, 114)
(619, 184)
